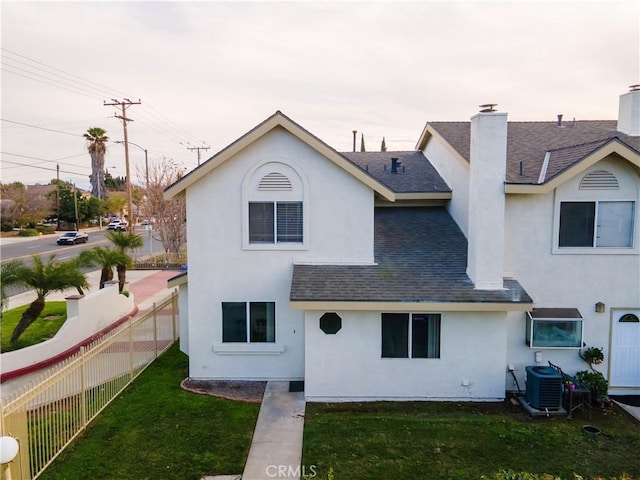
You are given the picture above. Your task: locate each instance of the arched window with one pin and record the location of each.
(274, 193)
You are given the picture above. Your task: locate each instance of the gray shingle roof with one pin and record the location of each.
(528, 142)
(421, 256)
(416, 174)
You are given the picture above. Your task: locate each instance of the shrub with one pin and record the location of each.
(597, 384)
(44, 230)
(28, 232)
(7, 227)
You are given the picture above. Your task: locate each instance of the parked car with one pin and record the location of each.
(117, 225)
(71, 238)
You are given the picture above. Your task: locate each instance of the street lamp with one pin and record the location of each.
(146, 167)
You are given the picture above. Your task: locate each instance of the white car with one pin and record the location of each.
(117, 225)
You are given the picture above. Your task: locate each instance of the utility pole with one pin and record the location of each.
(58, 196)
(75, 205)
(198, 149)
(124, 104)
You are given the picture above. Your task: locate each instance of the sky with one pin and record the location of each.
(207, 72)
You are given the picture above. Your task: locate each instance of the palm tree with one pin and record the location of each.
(44, 278)
(96, 145)
(124, 241)
(10, 274)
(106, 257)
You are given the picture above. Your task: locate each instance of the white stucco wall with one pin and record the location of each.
(220, 270)
(86, 316)
(348, 366)
(574, 280)
(455, 172)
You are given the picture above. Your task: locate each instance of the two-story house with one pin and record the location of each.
(420, 274)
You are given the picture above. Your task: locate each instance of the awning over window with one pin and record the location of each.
(555, 313)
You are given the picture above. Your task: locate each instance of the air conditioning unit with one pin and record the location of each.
(544, 387)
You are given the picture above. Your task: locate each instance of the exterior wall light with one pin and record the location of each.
(8, 450)
(600, 307)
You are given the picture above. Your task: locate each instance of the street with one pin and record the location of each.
(14, 248)
(24, 248)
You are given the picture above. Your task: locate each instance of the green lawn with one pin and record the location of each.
(44, 328)
(155, 430)
(433, 440)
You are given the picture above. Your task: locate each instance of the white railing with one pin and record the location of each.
(48, 414)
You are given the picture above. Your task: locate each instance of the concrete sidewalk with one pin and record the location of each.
(276, 448)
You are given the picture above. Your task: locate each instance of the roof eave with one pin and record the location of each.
(410, 306)
(277, 120)
(423, 196)
(429, 133)
(615, 146)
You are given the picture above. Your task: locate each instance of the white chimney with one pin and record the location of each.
(485, 236)
(629, 112)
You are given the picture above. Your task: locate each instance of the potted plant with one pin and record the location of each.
(593, 356)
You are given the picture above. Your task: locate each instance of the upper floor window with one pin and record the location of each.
(275, 222)
(596, 224)
(274, 207)
(596, 213)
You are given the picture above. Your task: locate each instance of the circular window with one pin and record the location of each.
(330, 323)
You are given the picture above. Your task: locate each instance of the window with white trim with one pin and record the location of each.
(554, 332)
(252, 322)
(597, 224)
(275, 208)
(275, 222)
(415, 335)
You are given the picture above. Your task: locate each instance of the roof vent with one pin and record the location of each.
(394, 165)
(599, 180)
(634, 88)
(274, 181)
(488, 107)
(559, 124)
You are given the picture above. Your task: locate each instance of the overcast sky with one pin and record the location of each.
(207, 72)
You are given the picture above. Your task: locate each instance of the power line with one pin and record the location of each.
(154, 119)
(50, 84)
(43, 168)
(108, 89)
(44, 160)
(41, 128)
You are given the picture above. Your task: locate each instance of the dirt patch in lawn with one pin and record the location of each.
(242, 391)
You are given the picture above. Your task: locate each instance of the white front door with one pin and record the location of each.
(625, 349)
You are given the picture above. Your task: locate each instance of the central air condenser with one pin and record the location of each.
(544, 387)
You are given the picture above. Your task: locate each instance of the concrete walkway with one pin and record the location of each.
(276, 448)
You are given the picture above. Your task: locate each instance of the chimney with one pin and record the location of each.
(629, 112)
(485, 235)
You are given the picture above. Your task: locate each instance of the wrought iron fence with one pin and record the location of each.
(48, 414)
(164, 261)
